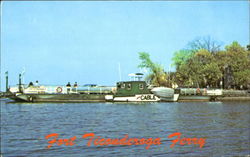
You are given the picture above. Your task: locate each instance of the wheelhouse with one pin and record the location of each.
(133, 87)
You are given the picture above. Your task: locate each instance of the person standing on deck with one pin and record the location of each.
(75, 86)
(68, 86)
(36, 84)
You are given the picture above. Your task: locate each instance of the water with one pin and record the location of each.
(225, 125)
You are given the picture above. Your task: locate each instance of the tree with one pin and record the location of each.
(180, 57)
(238, 58)
(199, 71)
(206, 43)
(157, 76)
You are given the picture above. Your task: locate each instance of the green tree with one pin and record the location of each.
(181, 57)
(157, 75)
(196, 66)
(199, 71)
(239, 59)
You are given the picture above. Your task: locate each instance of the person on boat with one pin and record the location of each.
(36, 84)
(68, 86)
(75, 85)
(31, 84)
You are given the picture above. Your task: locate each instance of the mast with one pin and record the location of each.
(20, 83)
(23, 72)
(7, 81)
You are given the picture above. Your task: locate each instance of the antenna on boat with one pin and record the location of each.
(20, 83)
(23, 72)
(7, 79)
(119, 68)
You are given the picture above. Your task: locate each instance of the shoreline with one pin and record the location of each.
(234, 98)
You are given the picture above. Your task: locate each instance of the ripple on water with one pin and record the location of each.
(224, 124)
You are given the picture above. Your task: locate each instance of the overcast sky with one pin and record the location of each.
(84, 41)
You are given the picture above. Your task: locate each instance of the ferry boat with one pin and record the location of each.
(126, 91)
(132, 91)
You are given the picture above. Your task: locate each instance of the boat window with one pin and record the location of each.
(129, 86)
(141, 86)
(123, 85)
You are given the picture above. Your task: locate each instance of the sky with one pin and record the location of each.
(67, 41)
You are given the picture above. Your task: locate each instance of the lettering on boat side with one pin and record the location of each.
(147, 97)
(93, 140)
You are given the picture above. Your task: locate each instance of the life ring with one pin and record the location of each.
(59, 89)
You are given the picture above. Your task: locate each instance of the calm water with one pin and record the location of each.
(225, 125)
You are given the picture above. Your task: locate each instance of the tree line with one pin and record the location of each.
(203, 64)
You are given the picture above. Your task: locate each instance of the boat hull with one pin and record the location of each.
(60, 97)
(136, 98)
(174, 98)
(194, 98)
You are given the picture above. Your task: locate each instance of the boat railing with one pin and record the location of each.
(60, 89)
(200, 91)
